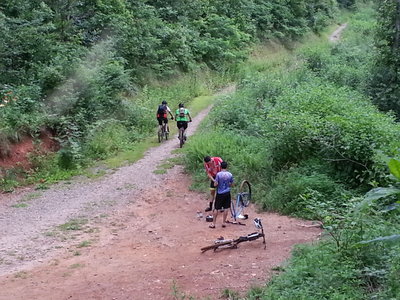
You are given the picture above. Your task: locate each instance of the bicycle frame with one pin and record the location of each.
(242, 200)
(232, 243)
(163, 133)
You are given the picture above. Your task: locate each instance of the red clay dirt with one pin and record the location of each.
(17, 153)
(148, 249)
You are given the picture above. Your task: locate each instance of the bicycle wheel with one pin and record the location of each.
(181, 141)
(160, 136)
(237, 207)
(166, 135)
(245, 193)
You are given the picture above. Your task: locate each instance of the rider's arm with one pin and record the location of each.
(208, 172)
(169, 111)
(190, 118)
(215, 180)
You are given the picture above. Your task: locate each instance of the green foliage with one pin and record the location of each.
(315, 273)
(348, 61)
(243, 154)
(308, 192)
(384, 85)
(72, 65)
(106, 138)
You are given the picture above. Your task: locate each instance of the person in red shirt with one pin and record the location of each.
(212, 166)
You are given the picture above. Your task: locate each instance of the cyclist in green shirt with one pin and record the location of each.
(182, 117)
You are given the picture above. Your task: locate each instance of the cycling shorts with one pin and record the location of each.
(181, 124)
(161, 120)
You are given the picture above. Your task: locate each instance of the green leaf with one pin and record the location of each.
(381, 192)
(376, 194)
(394, 167)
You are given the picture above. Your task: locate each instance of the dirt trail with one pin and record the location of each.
(335, 36)
(136, 236)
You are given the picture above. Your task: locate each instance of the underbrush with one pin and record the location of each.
(317, 145)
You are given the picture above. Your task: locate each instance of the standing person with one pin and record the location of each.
(162, 115)
(212, 166)
(223, 181)
(182, 117)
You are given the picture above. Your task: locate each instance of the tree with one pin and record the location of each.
(385, 84)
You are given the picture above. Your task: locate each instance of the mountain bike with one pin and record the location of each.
(163, 133)
(242, 200)
(221, 243)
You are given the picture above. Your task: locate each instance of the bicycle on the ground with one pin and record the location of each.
(163, 133)
(242, 200)
(221, 243)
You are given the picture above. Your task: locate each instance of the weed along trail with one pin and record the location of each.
(131, 234)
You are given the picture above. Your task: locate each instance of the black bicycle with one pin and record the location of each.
(163, 133)
(222, 243)
(181, 137)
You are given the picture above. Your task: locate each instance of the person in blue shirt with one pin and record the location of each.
(223, 181)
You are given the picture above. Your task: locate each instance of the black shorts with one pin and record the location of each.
(161, 120)
(182, 124)
(212, 185)
(222, 201)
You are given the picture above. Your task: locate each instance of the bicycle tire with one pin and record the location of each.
(159, 136)
(181, 141)
(245, 193)
(236, 209)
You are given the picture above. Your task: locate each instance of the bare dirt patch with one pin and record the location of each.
(145, 249)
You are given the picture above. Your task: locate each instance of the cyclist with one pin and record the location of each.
(162, 115)
(182, 117)
(212, 166)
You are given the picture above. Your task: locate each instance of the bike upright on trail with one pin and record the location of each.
(162, 118)
(182, 117)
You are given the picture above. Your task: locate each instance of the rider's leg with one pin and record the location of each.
(212, 193)
(159, 124)
(166, 124)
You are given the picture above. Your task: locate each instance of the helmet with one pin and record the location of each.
(164, 102)
(181, 105)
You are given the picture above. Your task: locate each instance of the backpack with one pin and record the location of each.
(182, 112)
(162, 110)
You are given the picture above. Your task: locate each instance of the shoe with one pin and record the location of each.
(241, 217)
(208, 209)
(212, 226)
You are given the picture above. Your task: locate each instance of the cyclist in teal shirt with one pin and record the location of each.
(182, 117)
